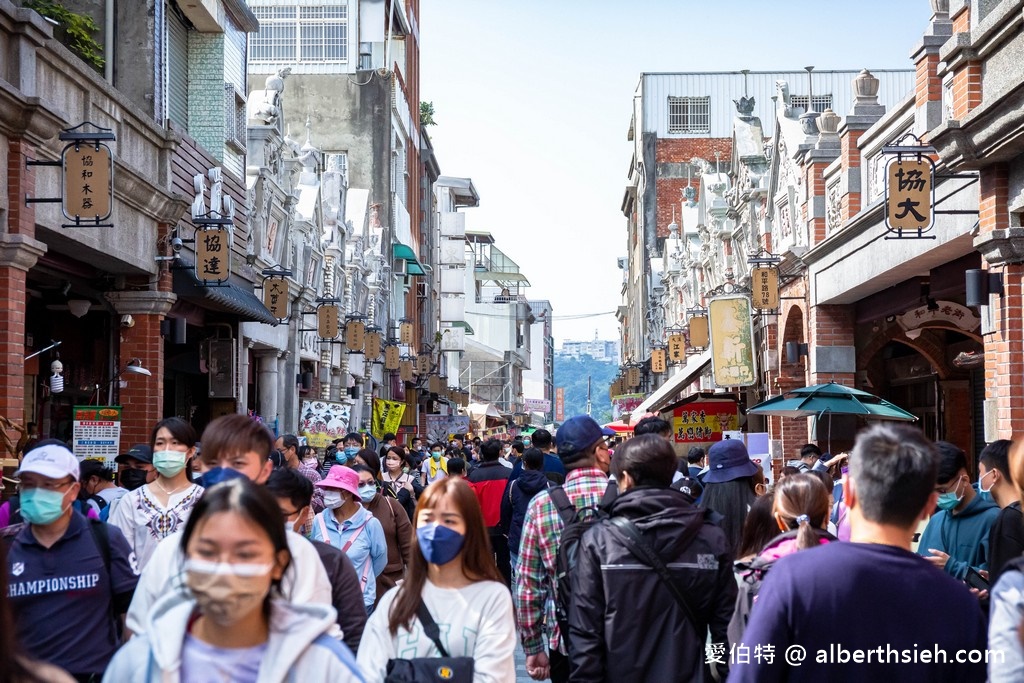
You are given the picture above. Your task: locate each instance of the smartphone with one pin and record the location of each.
(976, 580)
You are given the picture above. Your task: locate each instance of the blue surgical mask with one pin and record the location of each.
(169, 463)
(42, 506)
(982, 478)
(366, 493)
(351, 451)
(439, 544)
(949, 500)
(218, 475)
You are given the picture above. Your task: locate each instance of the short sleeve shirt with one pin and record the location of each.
(61, 595)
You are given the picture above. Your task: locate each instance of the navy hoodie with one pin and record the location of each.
(517, 498)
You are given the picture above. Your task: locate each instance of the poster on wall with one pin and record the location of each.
(323, 421)
(732, 342)
(97, 433)
(441, 427)
(625, 404)
(704, 421)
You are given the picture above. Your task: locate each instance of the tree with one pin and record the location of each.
(572, 374)
(427, 114)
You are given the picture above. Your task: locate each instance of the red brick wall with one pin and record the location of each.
(21, 182)
(143, 397)
(850, 158)
(814, 177)
(962, 19)
(928, 85)
(669, 191)
(966, 89)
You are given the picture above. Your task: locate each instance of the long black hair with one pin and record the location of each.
(732, 500)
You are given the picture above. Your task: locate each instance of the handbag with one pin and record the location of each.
(443, 669)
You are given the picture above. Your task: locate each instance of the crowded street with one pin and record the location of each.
(452, 341)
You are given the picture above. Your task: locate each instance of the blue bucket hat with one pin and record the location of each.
(728, 460)
(576, 435)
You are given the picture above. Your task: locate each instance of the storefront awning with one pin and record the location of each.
(229, 298)
(668, 391)
(412, 264)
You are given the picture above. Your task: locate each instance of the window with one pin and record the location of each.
(302, 33)
(689, 115)
(820, 102)
(234, 118)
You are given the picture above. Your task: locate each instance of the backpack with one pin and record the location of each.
(575, 524)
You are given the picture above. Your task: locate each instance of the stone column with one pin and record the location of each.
(267, 379)
(142, 397)
(18, 253)
(928, 82)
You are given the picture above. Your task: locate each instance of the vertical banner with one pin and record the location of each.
(387, 417)
(327, 321)
(560, 403)
(213, 260)
(97, 433)
(732, 341)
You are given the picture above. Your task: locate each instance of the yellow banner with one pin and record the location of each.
(387, 417)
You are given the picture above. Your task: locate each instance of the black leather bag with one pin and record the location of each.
(443, 669)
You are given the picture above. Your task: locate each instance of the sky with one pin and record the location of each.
(532, 100)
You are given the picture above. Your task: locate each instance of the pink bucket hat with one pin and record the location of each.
(341, 477)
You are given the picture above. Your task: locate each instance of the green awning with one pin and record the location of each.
(464, 325)
(412, 264)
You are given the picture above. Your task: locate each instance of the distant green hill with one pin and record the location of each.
(572, 374)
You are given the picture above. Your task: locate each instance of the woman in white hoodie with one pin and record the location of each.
(230, 624)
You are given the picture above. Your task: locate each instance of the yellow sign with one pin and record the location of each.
(764, 286)
(732, 342)
(88, 192)
(908, 201)
(387, 417)
(677, 348)
(658, 361)
(327, 321)
(275, 296)
(354, 335)
(213, 259)
(699, 332)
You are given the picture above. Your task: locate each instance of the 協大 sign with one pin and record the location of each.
(909, 188)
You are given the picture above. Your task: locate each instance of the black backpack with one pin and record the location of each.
(575, 524)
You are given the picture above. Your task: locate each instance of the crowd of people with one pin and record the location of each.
(245, 556)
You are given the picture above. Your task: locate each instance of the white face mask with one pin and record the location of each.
(332, 499)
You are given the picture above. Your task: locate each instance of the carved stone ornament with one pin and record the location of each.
(833, 209)
(865, 87)
(828, 122)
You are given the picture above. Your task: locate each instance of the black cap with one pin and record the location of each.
(140, 452)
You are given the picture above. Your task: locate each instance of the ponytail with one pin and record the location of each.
(805, 537)
(803, 503)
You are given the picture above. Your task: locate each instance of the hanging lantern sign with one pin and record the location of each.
(213, 261)
(275, 297)
(732, 342)
(699, 331)
(327, 322)
(405, 370)
(658, 361)
(423, 364)
(372, 346)
(355, 333)
(677, 348)
(392, 357)
(434, 384)
(405, 333)
(764, 286)
(633, 377)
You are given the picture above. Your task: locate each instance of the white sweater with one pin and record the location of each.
(476, 621)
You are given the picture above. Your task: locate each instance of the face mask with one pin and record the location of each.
(351, 451)
(332, 499)
(133, 479)
(218, 475)
(169, 463)
(949, 500)
(989, 489)
(436, 455)
(439, 544)
(227, 592)
(41, 506)
(367, 492)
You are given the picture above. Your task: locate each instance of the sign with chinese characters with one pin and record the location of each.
(704, 421)
(275, 297)
(355, 333)
(658, 361)
(537, 405)
(633, 377)
(392, 357)
(405, 333)
(405, 370)
(677, 348)
(908, 194)
(732, 341)
(96, 433)
(764, 286)
(87, 188)
(373, 346)
(699, 332)
(327, 321)
(423, 364)
(560, 403)
(213, 260)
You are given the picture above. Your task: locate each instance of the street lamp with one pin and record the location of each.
(133, 367)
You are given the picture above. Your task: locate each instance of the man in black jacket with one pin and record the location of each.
(624, 623)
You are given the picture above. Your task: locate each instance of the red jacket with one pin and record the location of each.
(488, 480)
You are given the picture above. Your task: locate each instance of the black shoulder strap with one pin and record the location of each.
(611, 492)
(639, 546)
(566, 510)
(430, 627)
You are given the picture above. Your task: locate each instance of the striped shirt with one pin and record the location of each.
(542, 529)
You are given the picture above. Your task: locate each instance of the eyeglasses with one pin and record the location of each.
(47, 485)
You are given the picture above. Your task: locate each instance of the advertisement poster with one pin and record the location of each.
(322, 421)
(732, 342)
(441, 427)
(97, 433)
(387, 417)
(704, 421)
(625, 404)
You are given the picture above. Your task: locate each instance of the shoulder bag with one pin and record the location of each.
(443, 669)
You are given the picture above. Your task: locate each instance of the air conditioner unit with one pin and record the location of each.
(400, 268)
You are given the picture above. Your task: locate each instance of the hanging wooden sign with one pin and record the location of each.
(764, 287)
(392, 357)
(423, 363)
(699, 332)
(213, 260)
(677, 348)
(658, 361)
(909, 195)
(372, 346)
(327, 321)
(355, 333)
(405, 370)
(434, 384)
(275, 297)
(88, 189)
(405, 333)
(633, 377)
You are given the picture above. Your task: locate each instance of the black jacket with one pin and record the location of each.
(346, 595)
(624, 624)
(516, 499)
(1005, 540)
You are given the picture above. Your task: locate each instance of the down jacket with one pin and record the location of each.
(624, 624)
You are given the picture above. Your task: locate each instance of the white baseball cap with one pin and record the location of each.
(55, 462)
